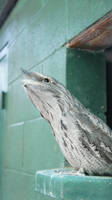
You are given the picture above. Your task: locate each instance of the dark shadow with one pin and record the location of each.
(108, 57)
(86, 79)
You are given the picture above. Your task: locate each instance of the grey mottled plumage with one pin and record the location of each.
(85, 140)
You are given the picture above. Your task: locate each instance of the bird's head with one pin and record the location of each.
(46, 93)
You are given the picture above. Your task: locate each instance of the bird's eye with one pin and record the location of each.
(46, 80)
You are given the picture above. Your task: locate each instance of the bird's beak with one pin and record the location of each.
(26, 74)
(31, 77)
(27, 77)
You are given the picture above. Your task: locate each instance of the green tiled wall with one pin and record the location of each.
(36, 32)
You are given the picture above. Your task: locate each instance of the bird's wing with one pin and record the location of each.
(91, 122)
(94, 132)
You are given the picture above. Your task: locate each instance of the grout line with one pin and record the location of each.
(31, 21)
(22, 123)
(19, 171)
(35, 65)
(22, 153)
(17, 124)
(24, 27)
(66, 14)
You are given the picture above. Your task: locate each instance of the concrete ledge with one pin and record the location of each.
(64, 184)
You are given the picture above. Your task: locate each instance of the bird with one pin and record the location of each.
(84, 139)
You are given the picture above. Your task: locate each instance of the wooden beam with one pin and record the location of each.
(6, 10)
(98, 36)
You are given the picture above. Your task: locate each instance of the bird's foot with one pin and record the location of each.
(80, 172)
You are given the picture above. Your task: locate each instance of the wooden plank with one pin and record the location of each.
(98, 36)
(5, 11)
